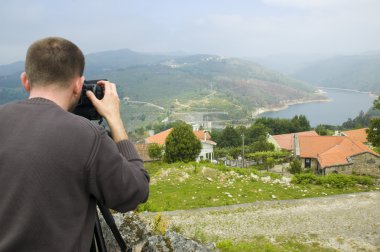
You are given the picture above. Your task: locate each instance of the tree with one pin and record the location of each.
(261, 144)
(295, 166)
(376, 103)
(269, 163)
(374, 127)
(321, 130)
(159, 127)
(374, 132)
(278, 126)
(229, 138)
(361, 121)
(300, 123)
(242, 130)
(182, 145)
(155, 151)
(256, 131)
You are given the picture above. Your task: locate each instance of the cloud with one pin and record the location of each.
(225, 27)
(305, 4)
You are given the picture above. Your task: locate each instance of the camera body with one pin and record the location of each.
(84, 107)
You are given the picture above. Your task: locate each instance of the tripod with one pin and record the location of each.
(98, 244)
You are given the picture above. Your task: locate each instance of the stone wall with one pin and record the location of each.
(363, 164)
(138, 235)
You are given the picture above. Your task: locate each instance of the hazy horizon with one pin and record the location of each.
(241, 28)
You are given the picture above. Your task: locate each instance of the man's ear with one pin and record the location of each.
(25, 82)
(78, 85)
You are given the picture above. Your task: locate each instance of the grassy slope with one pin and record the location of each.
(193, 185)
(189, 186)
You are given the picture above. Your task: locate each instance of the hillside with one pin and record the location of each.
(359, 72)
(113, 60)
(194, 77)
(179, 84)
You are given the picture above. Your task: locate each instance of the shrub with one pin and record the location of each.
(295, 167)
(333, 180)
(364, 180)
(305, 178)
(155, 151)
(337, 180)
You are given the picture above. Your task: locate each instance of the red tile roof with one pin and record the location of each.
(286, 141)
(357, 135)
(161, 137)
(331, 150)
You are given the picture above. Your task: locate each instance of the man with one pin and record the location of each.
(55, 165)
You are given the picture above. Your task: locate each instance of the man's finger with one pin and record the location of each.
(106, 85)
(92, 97)
(113, 87)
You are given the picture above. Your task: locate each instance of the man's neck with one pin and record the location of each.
(61, 98)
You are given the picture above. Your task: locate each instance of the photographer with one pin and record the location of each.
(55, 165)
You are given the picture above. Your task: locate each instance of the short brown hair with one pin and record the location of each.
(53, 60)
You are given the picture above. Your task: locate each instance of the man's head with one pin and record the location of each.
(55, 61)
(54, 70)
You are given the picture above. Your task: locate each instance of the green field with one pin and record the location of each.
(181, 186)
(188, 186)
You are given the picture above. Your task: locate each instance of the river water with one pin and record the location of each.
(343, 104)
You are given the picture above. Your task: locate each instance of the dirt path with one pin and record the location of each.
(349, 222)
(145, 103)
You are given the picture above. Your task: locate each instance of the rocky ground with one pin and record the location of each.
(349, 222)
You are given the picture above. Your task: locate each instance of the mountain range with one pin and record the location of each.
(164, 79)
(358, 72)
(178, 84)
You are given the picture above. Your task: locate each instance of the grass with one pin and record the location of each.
(261, 243)
(377, 149)
(188, 186)
(196, 185)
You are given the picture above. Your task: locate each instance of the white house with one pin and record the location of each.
(207, 151)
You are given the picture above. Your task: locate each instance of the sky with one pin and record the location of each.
(230, 28)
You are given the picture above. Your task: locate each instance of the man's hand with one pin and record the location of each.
(109, 108)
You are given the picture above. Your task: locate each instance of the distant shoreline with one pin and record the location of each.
(285, 104)
(350, 90)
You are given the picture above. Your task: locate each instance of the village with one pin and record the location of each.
(240, 197)
(344, 152)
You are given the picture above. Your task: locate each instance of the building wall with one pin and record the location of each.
(207, 152)
(364, 164)
(274, 142)
(313, 164)
(142, 150)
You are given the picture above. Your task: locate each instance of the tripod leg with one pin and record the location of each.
(93, 246)
(111, 223)
(99, 236)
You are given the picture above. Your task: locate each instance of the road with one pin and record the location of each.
(348, 222)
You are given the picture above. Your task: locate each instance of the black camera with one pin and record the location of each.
(85, 107)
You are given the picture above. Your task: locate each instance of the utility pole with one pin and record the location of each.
(242, 136)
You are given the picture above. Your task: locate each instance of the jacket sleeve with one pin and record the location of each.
(117, 177)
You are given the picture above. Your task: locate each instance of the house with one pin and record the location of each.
(159, 138)
(142, 150)
(337, 154)
(357, 134)
(207, 151)
(286, 141)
